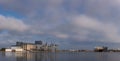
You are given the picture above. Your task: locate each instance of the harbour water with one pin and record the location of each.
(60, 56)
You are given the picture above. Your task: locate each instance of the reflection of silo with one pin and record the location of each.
(38, 42)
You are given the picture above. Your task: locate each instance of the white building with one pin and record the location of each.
(14, 49)
(8, 50)
(17, 49)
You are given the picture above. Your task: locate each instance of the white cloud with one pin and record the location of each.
(86, 22)
(60, 35)
(12, 24)
(50, 16)
(110, 30)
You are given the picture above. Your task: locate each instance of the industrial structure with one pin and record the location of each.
(101, 49)
(37, 46)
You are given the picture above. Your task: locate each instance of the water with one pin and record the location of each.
(60, 56)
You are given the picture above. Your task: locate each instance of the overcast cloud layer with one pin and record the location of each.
(79, 23)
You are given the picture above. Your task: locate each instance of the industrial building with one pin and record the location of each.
(14, 48)
(101, 49)
(37, 46)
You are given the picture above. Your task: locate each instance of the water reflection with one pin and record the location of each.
(41, 56)
(59, 56)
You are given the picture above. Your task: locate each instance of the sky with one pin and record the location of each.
(72, 24)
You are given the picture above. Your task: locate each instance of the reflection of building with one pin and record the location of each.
(28, 56)
(101, 49)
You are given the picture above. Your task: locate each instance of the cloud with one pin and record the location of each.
(12, 24)
(60, 35)
(78, 20)
(109, 30)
